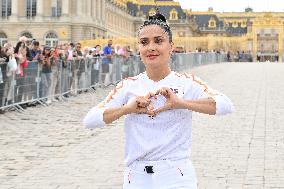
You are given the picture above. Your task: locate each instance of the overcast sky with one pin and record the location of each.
(233, 5)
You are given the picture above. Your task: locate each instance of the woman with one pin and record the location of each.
(9, 75)
(55, 69)
(158, 104)
(124, 61)
(3, 76)
(22, 54)
(46, 74)
(97, 53)
(63, 56)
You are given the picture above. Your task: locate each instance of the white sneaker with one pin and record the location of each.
(48, 102)
(54, 100)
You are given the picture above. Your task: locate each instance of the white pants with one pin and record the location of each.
(167, 175)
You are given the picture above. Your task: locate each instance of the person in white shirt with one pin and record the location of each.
(158, 105)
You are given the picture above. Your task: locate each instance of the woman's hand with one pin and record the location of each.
(140, 105)
(172, 100)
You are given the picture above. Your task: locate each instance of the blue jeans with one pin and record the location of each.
(46, 84)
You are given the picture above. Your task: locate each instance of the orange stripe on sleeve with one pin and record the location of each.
(114, 91)
(208, 90)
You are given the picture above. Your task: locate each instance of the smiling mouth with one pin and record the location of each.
(151, 57)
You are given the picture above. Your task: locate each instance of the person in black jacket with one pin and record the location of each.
(3, 67)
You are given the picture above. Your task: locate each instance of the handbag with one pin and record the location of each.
(12, 64)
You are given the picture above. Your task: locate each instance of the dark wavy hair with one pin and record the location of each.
(159, 20)
(19, 44)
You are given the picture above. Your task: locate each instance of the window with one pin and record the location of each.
(31, 8)
(51, 39)
(56, 8)
(3, 39)
(212, 23)
(6, 8)
(173, 14)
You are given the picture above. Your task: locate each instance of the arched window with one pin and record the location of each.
(51, 39)
(3, 39)
(173, 14)
(6, 7)
(235, 24)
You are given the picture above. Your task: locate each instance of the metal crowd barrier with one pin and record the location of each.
(72, 77)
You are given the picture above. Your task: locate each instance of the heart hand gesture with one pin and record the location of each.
(172, 100)
(145, 104)
(141, 105)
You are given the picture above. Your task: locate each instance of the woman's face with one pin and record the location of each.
(154, 46)
(47, 51)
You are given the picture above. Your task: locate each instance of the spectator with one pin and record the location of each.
(107, 63)
(70, 66)
(46, 75)
(3, 68)
(228, 56)
(70, 51)
(76, 72)
(9, 76)
(22, 54)
(35, 51)
(124, 53)
(96, 64)
(33, 68)
(63, 74)
(258, 56)
(55, 67)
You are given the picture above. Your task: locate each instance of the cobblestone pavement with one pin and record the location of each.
(48, 147)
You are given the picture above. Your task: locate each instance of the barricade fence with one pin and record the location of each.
(43, 84)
